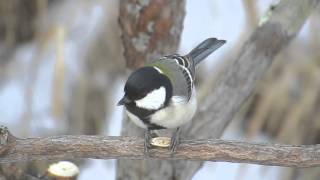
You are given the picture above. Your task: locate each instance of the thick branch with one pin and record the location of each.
(100, 147)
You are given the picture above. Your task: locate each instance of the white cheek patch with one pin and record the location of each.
(154, 100)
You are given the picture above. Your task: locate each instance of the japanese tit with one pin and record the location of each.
(161, 95)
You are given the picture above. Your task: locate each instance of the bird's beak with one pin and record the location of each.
(124, 100)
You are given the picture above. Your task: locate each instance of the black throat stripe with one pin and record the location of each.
(144, 116)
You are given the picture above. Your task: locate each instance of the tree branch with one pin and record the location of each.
(100, 147)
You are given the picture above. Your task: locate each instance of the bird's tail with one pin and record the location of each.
(204, 49)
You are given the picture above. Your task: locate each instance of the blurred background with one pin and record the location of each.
(62, 70)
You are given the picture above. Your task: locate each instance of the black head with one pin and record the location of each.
(143, 81)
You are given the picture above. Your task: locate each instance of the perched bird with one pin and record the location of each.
(161, 95)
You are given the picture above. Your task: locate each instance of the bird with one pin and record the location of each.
(162, 95)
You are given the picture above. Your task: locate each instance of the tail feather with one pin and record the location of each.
(204, 49)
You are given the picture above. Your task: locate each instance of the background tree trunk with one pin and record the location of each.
(149, 31)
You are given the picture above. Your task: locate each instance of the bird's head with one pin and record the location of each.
(147, 88)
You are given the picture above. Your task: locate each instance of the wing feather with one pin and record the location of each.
(180, 71)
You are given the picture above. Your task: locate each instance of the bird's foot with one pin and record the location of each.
(147, 145)
(147, 141)
(174, 141)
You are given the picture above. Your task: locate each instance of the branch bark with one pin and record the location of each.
(100, 147)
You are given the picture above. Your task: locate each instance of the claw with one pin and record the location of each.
(174, 141)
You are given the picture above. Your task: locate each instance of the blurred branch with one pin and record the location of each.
(251, 11)
(254, 58)
(100, 147)
(18, 19)
(59, 74)
(93, 90)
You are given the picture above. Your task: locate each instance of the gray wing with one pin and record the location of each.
(180, 71)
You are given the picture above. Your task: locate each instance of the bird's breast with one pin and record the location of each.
(176, 114)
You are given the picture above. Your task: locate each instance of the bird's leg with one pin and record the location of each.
(174, 140)
(147, 138)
